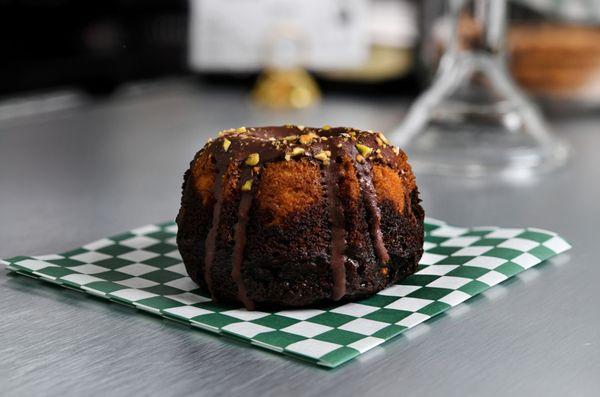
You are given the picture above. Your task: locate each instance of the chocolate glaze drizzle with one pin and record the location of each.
(365, 178)
(338, 230)
(240, 242)
(277, 143)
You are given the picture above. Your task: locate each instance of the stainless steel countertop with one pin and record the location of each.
(72, 176)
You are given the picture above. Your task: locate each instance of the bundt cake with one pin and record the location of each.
(293, 216)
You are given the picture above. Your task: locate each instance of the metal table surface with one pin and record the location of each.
(72, 176)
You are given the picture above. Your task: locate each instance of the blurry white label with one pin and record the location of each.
(246, 35)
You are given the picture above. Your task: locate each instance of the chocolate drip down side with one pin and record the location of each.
(240, 240)
(338, 232)
(365, 178)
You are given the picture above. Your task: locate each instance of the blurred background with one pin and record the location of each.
(360, 47)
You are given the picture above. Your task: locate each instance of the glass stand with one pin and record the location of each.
(473, 120)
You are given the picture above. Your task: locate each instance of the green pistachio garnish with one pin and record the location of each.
(226, 144)
(364, 150)
(383, 138)
(297, 151)
(247, 186)
(323, 156)
(253, 159)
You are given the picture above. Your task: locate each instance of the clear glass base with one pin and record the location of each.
(483, 140)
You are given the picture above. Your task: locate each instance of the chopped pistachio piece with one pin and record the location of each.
(253, 159)
(226, 144)
(364, 150)
(296, 152)
(383, 138)
(241, 129)
(290, 138)
(323, 156)
(247, 186)
(326, 127)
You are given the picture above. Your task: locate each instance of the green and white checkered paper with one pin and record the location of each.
(142, 268)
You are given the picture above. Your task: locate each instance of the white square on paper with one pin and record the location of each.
(354, 309)
(187, 311)
(399, 290)
(365, 344)
(449, 231)
(437, 270)
(519, 244)
(132, 294)
(413, 319)
(301, 314)
(306, 329)
(430, 259)
(557, 245)
(492, 278)
(409, 304)
(504, 233)
(363, 326)
(90, 257)
(137, 282)
(473, 250)
(33, 264)
(312, 348)
(184, 283)
(486, 262)
(138, 255)
(526, 260)
(139, 242)
(245, 315)
(249, 330)
(460, 241)
(89, 269)
(137, 269)
(455, 297)
(188, 298)
(449, 282)
(80, 279)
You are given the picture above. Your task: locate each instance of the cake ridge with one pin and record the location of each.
(211, 238)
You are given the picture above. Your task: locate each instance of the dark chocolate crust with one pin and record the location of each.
(351, 234)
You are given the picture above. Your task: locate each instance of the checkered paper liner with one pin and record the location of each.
(142, 268)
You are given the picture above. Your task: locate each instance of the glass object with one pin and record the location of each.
(473, 120)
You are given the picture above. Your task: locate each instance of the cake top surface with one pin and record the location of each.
(256, 145)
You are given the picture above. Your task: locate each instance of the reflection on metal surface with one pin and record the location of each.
(30, 105)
